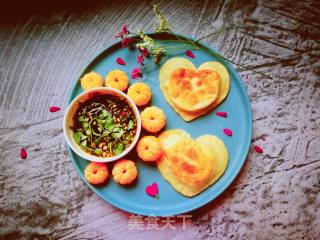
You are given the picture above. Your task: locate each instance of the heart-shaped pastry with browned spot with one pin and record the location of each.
(193, 92)
(191, 165)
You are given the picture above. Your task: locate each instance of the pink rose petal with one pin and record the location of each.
(190, 54)
(54, 109)
(227, 132)
(258, 149)
(222, 114)
(152, 190)
(120, 61)
(136, 73)
(23, 153)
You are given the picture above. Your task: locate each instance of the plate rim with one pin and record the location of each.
(200, 203)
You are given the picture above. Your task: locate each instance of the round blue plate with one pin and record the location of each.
(134, 199)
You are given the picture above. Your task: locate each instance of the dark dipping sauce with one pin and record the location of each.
(104, 125)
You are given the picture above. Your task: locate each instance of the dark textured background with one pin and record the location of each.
(44, 45)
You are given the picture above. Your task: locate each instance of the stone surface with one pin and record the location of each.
(45, 45)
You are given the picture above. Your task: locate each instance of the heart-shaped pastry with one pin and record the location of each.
(191, 165)
(193, 90)
(202, 105)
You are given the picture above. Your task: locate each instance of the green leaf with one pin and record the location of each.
(84, 143)
(85, 125)
(104, 113)
(81, 119)
(98, 151)
(105, 132)
(77, 136)
(117, 132)
(116, 129)
(83, 137)
(109, 124)
(118, 149)
(117, 135)
(130, 125)
(88, 131)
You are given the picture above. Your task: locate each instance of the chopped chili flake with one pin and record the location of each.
(23, 153)
(190, 54)
(222, 114)
(54, 109)
(258, 149)
(227, 131)
(120, 61)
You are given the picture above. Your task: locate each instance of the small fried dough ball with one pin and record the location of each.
(96, 173)
(149, 148)
(140, 93)
(153, 119)
(124, 171)
(117, 79)
(91, 80)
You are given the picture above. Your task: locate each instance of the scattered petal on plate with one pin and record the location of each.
(222, 114)
(136, 73)
(227, 132)
(120, 61)
(258, 149)
(152, 190)
(23, 153)
(190, 54)
(54, 109)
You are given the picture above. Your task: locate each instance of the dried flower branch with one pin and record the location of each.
(163, 22)
(148, 45)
